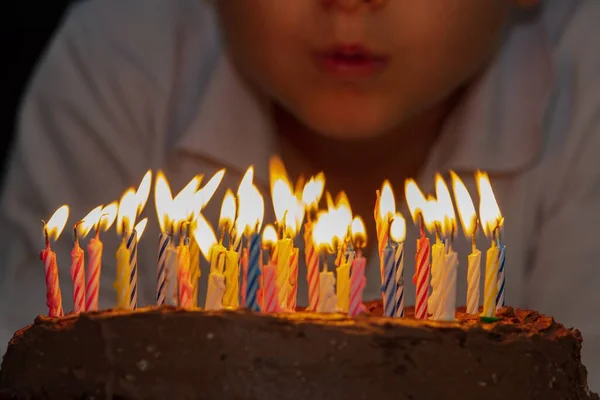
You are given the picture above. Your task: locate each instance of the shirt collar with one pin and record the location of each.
(498, 126)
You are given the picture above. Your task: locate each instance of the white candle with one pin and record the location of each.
(327, 297)
(446, 310)
(215, 292)
(437, 271)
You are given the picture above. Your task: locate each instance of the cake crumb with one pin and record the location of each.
(494, 378)
(142, 365)
(150, 349)
(482, 383)
(210, 336)
(130, 377)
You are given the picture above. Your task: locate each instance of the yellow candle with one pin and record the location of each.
(437, 270)
(343, 287)
(283, 253)
(232, 272)
(216, 289)
(491, 281)
(327, 297)
(194, 270)
(217, 258)
(122, 282)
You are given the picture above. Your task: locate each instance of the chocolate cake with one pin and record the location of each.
(167, 353)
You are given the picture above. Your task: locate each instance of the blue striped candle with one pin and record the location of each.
(399, 268)
(253, 273)
(161, 278)
(132, 245)
(501, 276)
(389, 284)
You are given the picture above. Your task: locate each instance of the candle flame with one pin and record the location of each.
(432, 214)
(143, 191)
(57, 222)
(446, 208)
(269, 237)
(251, 206)
(342, 215)
(228, 209)
(324, 231)
(281, 190)
(128, 207)
(183, 207)
(140, 228)
(89, 221)
(313, 191)
(358, 232)
(203, 196)
(204, 235)
(398, 228)
(417, 203)
(386, 202)
(464, 203)
(163, 200)
(489, 212)
(108, 216)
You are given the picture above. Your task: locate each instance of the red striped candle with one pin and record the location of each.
(94, 251)
(53, 296)
(421, 278)
(312, 268)
(78, 277)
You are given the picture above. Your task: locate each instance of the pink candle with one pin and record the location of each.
(293, 281)
(244, 277)
(53, 296)
(357, 285)
(269, 288)
(94, 251)
(78, 277)
(421, 277)
(186, 290)
(312, 268)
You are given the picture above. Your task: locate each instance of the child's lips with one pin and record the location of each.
(350, 61)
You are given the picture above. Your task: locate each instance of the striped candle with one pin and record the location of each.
(53, 295)
(132, 246)
(437, 273)
(78, 278)
(501, 276)
(215, 292)
(121, 284)
(491, 281)
(399, 268)
(195, 272)
(293, 281)
(244, 274)
(473, 281)
(164, 241)
(94, 251)
(270, 297)
(253, 273)
(446, 307)
(231, 298)
(357, 286)
(382, 240)
(311, 258)
(183, 276)
(281, 257)
(388, 285)
(172, 279)
(327, 297)
(421, 278)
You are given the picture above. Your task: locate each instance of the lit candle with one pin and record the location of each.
(323, 234)
(78, 274)
(214, 252)
(163, 201)
(311, 195)
(231, 298)
(341, 213)
(101, 219)
(52, 229)
(468, 219)
(491, 223)
(417, 205)
(398, 234)
(195, 272)
(293, 281)
(446, 301)
(358, 281)
(251, 212)
(385, 207)
(270, 298)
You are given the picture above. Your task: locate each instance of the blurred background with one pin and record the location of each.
(24, 33)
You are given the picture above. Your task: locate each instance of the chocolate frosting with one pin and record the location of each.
(168, 353)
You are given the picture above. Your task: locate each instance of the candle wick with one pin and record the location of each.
(474, 235)
(46, 236)
(421, 224)
(75, 232)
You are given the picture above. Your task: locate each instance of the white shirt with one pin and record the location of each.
(131, 85)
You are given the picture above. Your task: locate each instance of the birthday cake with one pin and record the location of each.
(163, 352)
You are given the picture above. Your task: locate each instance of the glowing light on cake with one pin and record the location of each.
(417, 205)
(491, 224)
(468, 220)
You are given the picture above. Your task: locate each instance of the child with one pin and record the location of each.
(362, 90)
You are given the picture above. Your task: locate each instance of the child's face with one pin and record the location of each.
(358, 68)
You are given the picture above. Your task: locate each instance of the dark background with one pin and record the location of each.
(25, 32)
